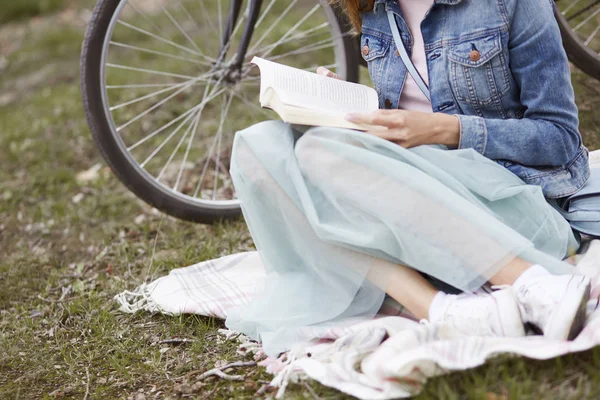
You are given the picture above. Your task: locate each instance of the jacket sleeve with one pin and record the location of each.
(548, 133)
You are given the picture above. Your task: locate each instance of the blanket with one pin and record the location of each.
(390, 356)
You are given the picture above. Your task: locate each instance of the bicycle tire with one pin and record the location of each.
(580, 55)
(107, 143)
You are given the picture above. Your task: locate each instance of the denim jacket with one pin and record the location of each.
(500, 66)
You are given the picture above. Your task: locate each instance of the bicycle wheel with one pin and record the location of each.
(579, 22)
(164, 89)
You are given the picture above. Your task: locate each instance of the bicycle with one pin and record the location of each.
(166, 85)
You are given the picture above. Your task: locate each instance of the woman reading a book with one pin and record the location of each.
(482, 134)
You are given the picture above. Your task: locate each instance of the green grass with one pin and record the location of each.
(61, 262)
(21, 9)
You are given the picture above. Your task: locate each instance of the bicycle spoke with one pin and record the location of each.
(162, 128)
(288, 33)
(190, 17)
(205, 99)
(183, 32)
(252, 105)
(205, 12)
(154, 107)
(273, 25)
(140, 85)
(220, 19)
(149, 71)
(207, 162)
(224, 111)
(160, 53)
(583, 10)
(174, 152)
(167, 140)
(307, 34)
(573, 4)
(585, 21)
(143, 14)
(170, 42)
(138, 99)
(304, 50)
(173, 121)
(591, 36)
(264, 14)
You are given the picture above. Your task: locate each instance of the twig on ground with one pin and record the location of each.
(177, 341)
(219, 371)
(65, 292)
(162, 218)
(87, 383)
(311, 391)
(262, 390)
(207, 395)
(57, 301)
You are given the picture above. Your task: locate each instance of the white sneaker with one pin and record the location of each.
(495, 314)
(556, 304)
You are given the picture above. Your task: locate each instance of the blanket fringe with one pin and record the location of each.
(283, 368)
(139, 300)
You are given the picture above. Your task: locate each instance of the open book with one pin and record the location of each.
(306, 98)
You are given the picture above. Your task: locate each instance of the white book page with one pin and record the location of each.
(312, 91)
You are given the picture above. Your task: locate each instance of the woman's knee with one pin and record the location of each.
(243, 155)
(256, 148)
(313, 156)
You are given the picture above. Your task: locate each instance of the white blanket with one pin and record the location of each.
(383, 358)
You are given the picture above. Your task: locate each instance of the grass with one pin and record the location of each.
(18, 10)
(67, 247)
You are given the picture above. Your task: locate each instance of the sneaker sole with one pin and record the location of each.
(569, 318)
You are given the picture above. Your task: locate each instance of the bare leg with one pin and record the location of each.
(427, 218)
(405, 285)
(509, 274)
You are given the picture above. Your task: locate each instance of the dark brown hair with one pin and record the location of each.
(353, 8)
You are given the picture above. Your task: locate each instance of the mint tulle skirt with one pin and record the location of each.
(333, 211)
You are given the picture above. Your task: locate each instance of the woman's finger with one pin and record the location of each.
(388, 118)
(325, 72)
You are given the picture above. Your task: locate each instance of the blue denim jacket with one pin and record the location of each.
(514, 98)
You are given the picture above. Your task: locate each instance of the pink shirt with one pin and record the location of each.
(412, 98)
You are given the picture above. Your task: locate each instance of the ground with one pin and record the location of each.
(70, 240)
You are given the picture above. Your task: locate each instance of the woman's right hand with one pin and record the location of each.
(325, 72)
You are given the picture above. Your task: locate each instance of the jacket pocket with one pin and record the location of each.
(373, 51)
(479, 73)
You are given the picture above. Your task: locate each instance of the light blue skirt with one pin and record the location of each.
(332, 210)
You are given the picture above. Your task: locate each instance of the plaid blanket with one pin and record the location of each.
(390, 356)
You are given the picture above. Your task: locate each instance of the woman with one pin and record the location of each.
(452, 195)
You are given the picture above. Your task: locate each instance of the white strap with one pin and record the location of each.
(412, 70)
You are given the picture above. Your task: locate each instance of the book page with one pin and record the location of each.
(312, 91)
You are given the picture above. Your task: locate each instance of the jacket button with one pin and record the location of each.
(474, 55)
(388, 103)
(365, 50)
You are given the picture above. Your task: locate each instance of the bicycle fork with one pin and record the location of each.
(232, 18)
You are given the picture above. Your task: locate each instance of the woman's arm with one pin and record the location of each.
(548, 134)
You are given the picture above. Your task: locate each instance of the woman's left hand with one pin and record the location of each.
(412, 128)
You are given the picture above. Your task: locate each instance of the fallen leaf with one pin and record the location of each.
(89, 175)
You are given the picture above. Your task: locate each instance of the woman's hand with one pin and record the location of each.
(325, 72)
(412, 128)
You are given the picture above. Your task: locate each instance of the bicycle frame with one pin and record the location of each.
(234, 13)
(253, 12)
